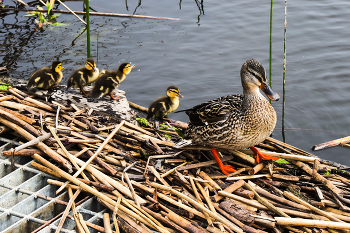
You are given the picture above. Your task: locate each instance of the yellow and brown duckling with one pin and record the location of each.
(164, 105)
(110, 80)
(236, 121)
(84, 75)
(47, 77)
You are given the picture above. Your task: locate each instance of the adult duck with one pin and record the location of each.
(236, 121)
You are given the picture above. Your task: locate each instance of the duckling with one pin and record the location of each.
(109, 80)
(84, 75)
(235, 121)
(46, 77)
(162, 106)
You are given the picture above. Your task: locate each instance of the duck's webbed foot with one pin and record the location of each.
(114, 96)
(226, 169)
(260, 156)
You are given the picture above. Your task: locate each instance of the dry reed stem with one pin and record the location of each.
(66, 211)
(197, 205)
(96, 153)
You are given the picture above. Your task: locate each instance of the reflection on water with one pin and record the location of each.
(202, 54)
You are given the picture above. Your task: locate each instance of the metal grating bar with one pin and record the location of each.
(27, 201)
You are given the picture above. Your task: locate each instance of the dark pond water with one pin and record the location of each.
(202, 54)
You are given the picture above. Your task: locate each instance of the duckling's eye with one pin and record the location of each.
(176, 92)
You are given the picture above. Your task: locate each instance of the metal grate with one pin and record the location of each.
(27, 201)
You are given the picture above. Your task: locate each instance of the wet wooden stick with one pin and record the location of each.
(244, 227)
(172, 170)
(197, 205)
(70, 157)
(138, 107)
(5, 98)
(230, 189)
(13, 105)
(96, 153)
(187, 225)
(38, 104)
(26, 152)
(264, 201)
(131, 188)
(168, 199)
(312, 223)
(18, 115)
(107, 223)
(279, 199)
(104, 179)
(331, 143)
(199, 200)
(75, 213)
(83, 223)
(311, 207)
(212, 183)
(19, 122)
(64, 216)
(317, 177)
(54, 155)
(256, 169)
(165, 221)
(114, 215)
(207, 199)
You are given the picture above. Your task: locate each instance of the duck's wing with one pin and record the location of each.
(215, 110)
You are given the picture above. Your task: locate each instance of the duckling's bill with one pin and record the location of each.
(271, 94)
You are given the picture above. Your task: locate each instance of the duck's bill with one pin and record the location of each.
(133, 66)
(269, 92)
(179, 95)
(94, 69)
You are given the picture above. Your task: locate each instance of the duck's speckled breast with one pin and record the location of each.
(246, 127)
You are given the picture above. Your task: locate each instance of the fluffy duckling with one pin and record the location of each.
(47, 77)
(110, 80)
(162, 106)
(84, 75)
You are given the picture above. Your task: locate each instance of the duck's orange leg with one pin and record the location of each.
(226, 169)
(114, 97)
(260, 155)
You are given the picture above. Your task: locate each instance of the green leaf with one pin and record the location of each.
(41, 18)
(30, 15)
(4, 86)
(50, 5)
(280, 160)
(55, 15)
(59, 24)
(142, 121)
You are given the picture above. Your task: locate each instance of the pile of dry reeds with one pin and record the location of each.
(149, 185)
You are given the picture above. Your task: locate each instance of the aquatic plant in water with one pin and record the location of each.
(45, 18)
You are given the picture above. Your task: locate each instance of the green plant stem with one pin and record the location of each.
(97, 50)
(88, 29)
(270, 72)
(284, 64)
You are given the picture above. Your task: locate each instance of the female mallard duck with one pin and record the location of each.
(84, 75)
(162, 106)
(47, 77)
(109, 80)
(236, 121)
